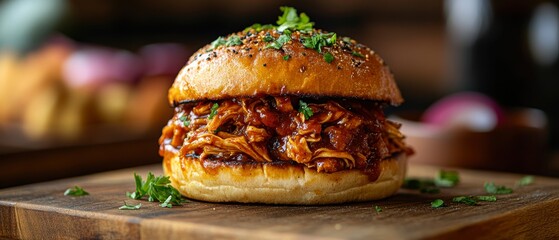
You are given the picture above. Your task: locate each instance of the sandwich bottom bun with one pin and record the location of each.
(280, 183)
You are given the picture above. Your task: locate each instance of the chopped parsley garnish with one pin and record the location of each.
(466, 200)
(491, 188)
(286, 57)
(378, 209)
(216, 43)
(319, 40)
(357, 54)
(233, 40)
(472, 201)
(437, 203)
(184, 120)
(75, 191)
(217, 130)
(282, 39)
(415, 183)
(289, 20)
(167, 202)
(346, 40)
(487, 198)
(423, 185)
(526, 180)
(268, 37)
(447, 178)
(259, 27)
(305, 109)
(430, 189)
(328, 57)
(442, 179)
(213, 111)
(127, 206)
(156, 188)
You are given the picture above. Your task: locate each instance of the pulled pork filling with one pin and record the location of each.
(341, 133)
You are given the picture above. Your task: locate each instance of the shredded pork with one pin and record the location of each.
(341, 134)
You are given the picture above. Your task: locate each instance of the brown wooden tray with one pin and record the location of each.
(42, 211)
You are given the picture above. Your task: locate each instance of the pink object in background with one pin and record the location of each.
(472, 110)
(95, 66)
(470, 130)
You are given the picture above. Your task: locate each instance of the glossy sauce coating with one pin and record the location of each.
(341, 134)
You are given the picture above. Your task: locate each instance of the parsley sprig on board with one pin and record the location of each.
(447, 178)
(75, 191)
(127, 206)
(473, 200)
(444, 178)
(524, 181)
(491, 188)
(437, 203)
(156, 188)
(466, 200)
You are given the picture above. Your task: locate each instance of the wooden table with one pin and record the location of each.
(42, 211)
(50, 163)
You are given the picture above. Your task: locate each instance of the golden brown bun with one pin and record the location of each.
(280, 184)
(252, 69)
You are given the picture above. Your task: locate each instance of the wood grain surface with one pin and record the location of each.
(41, 211)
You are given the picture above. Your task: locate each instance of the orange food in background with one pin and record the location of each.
(46, 96)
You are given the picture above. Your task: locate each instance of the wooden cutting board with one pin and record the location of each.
(42, 211)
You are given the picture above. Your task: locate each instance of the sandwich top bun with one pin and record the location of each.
(245, 64)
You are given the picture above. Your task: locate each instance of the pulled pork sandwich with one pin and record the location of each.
(284, 114)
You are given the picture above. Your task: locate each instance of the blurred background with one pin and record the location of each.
(83, 84)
